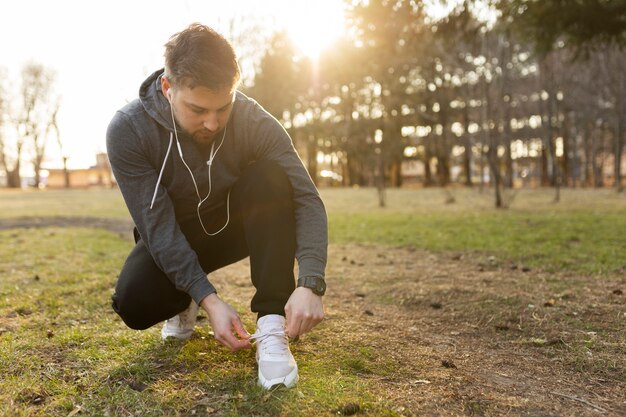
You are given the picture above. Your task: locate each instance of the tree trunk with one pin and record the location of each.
(619, 132)
(66, 173)
(380, 180)
(589, 155)
(595, 160)
(567, 177)
(492, 156)
(428, 175)
(467, 154)
(506, 116)
(14, 180)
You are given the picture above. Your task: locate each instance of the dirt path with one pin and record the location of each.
(447, 335)
(472, 339)
(121, 226)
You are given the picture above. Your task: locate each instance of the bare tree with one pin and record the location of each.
(37, 111)
(53, 125)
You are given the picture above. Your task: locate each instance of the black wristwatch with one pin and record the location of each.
(315, 284)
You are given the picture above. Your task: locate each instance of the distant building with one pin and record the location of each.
(99, 175)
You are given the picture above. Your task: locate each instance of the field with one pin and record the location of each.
(434, 308)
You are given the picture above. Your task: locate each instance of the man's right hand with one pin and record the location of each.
(226, 323)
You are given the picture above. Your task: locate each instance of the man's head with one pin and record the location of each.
(201, 76)
(200, 57)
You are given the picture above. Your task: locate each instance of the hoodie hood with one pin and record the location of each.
(154, 101)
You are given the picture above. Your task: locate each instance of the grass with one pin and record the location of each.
(64, 351)
(62, 348)
(48, 203)
(583, 233)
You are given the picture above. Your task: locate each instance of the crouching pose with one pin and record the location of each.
(209, 178)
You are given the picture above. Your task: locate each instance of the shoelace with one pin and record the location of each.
(272, 342)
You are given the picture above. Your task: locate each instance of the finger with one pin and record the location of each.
(234, 344)
(308, 324)
(241, 344)
(292, 328)
(239, 329)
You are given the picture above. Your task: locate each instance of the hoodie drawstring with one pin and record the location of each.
(156, 187)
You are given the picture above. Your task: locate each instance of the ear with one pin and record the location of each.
(166, 87)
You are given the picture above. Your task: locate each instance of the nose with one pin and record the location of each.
(211, 123)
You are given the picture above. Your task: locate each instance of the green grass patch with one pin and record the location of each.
(577, 241)
(63, 348)
(582, 233)
(94, 202)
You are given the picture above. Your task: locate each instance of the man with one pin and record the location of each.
(209, 178)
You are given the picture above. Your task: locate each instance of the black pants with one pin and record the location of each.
(261, 226)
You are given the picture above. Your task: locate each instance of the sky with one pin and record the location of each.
(102, 50)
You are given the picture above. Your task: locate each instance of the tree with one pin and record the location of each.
(38, 108)
(580, 24)
(53, 125)
(387, 32)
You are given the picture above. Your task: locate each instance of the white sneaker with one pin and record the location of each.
(276, 363)
(181, 326)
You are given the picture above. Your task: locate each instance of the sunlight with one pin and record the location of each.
(324, 23)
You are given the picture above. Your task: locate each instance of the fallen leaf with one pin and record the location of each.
(24, 311)
(448, 363)
(350, 409)
(537, 341)
(137, 386)
(37, 399)
(550, 303)
(421, 381)
(75, 411)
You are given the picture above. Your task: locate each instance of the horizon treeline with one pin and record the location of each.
(508, 93)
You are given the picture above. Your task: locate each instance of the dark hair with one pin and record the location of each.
(199, 56)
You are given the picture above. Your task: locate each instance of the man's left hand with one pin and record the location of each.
(303, 311)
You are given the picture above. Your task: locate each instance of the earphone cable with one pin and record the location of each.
(212, 156)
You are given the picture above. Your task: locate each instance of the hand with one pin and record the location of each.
(303, 311)
(226, 323)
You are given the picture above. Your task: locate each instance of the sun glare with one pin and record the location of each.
(314, 26)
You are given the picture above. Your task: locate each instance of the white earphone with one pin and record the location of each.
(212, 156)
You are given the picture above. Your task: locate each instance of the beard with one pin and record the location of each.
(204, 136)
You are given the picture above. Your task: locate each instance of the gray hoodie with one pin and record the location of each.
(138, 139)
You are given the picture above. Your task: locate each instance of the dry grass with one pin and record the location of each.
(408, 332)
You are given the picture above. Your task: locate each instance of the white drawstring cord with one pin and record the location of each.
(212, 156)
(156, 187)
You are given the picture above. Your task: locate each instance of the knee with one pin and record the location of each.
(129, 313)
(266, 179)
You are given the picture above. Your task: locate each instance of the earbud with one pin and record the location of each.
(169, 95)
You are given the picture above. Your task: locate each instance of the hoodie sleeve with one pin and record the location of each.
(271, 141)
(158, 228)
